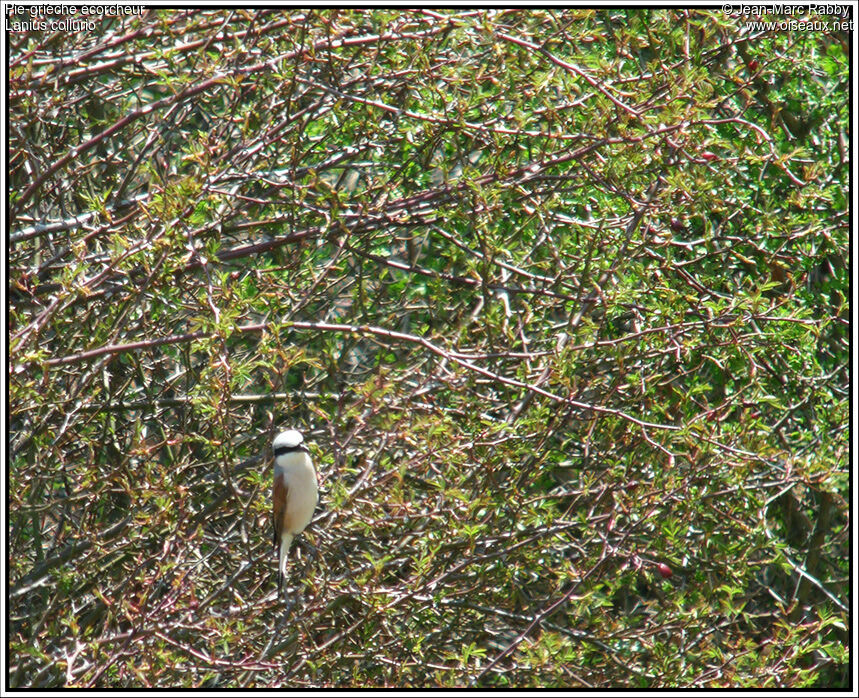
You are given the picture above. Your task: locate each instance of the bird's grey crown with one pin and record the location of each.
(288, 439)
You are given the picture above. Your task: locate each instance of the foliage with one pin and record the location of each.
(559, 298)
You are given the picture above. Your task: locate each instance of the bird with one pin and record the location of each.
(294, 494)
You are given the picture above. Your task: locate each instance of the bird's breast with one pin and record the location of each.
(297, 473)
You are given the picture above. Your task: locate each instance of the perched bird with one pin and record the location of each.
(294, 495)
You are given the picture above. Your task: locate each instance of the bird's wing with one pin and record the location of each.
(279, 505)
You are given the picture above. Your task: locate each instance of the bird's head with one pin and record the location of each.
(288, 441)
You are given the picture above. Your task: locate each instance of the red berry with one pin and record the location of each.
(707, 155)
(753, 65)
(664, 570)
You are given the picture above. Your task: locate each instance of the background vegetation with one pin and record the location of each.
(560, 299)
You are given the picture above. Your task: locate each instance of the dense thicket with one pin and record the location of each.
(558, 297)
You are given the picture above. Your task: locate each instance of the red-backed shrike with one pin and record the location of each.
(294, 495)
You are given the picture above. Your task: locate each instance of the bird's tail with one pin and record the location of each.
(285, 542)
